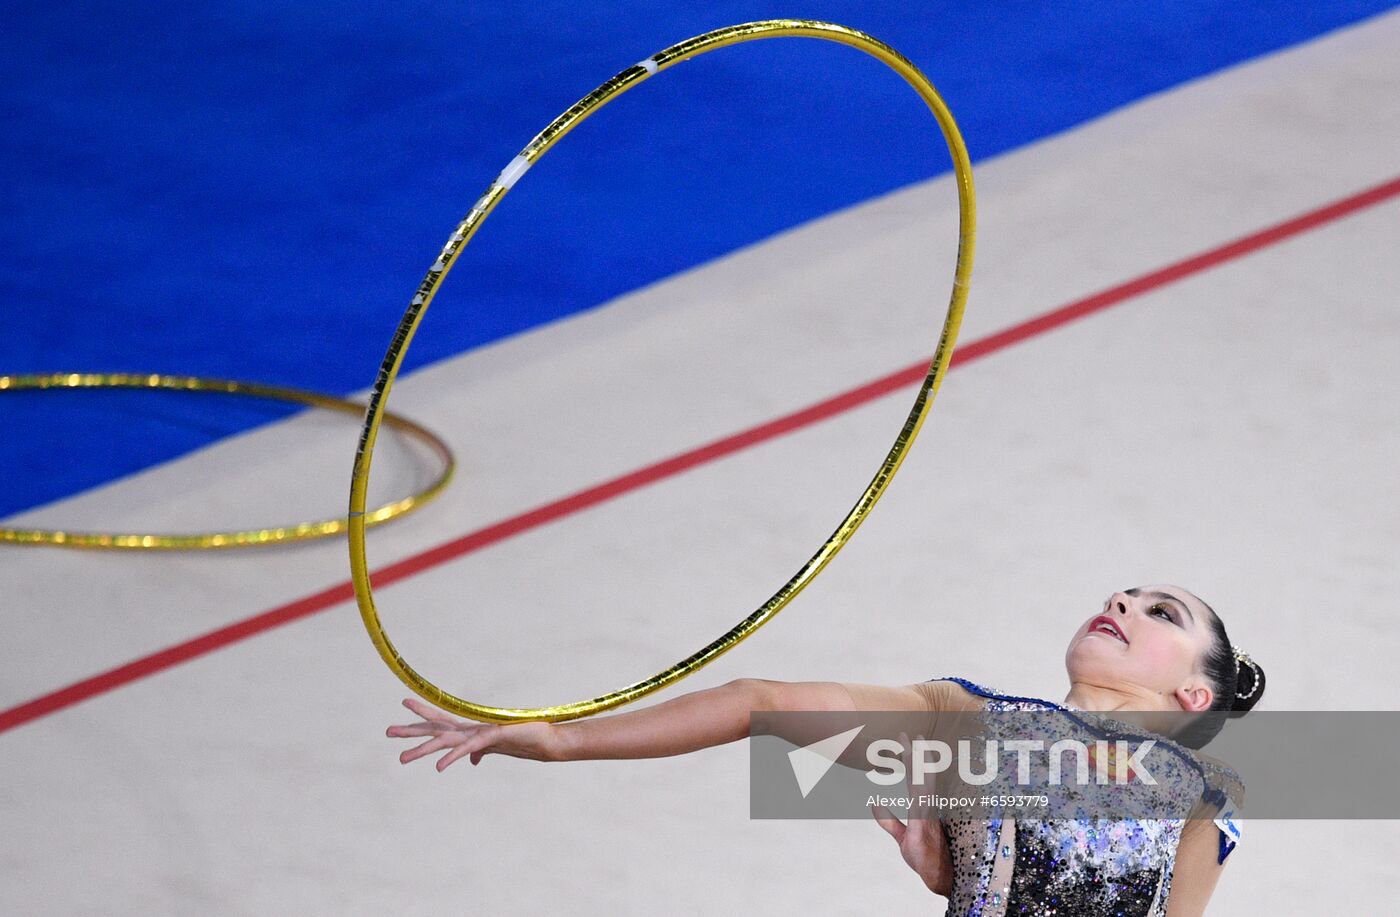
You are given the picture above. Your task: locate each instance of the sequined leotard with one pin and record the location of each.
(1065, 867)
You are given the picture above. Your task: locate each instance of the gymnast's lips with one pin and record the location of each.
(1103, 624)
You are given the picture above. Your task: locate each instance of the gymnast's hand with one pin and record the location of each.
(536, 741)
(921, 841)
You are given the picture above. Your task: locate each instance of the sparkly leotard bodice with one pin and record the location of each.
(1066, 867)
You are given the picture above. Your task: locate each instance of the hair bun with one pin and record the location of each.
(1249, 682)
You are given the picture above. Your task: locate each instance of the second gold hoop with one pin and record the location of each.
(198, 541)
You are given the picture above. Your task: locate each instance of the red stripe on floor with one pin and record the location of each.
(909, 375)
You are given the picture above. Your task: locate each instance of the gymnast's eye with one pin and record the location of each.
(1163, 610)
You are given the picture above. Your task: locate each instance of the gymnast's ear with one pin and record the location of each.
(1195, 696)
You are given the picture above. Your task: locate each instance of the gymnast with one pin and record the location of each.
(1154, 648)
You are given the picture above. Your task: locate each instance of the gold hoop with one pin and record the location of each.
(303, 531)
(408, 325)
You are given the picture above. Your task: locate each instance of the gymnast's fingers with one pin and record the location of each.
(455, 754)
(411, 730)
(921, 804)
(906, 754)
(921, 787)
(478, 745)
(919, 808)
(428, 747)
(428, 711)
(928, 834)
(887, 819)
(929, 848)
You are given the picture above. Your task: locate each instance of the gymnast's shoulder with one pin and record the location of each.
(934, 696)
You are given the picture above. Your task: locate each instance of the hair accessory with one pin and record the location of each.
(1243, 659)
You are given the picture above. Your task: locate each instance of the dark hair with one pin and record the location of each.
(1236, 680)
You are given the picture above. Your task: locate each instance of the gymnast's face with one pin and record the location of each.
(1149, 642)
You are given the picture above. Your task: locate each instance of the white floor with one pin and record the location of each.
(1235, 432)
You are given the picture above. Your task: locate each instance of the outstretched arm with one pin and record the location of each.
(683, 724)
(688, 723)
